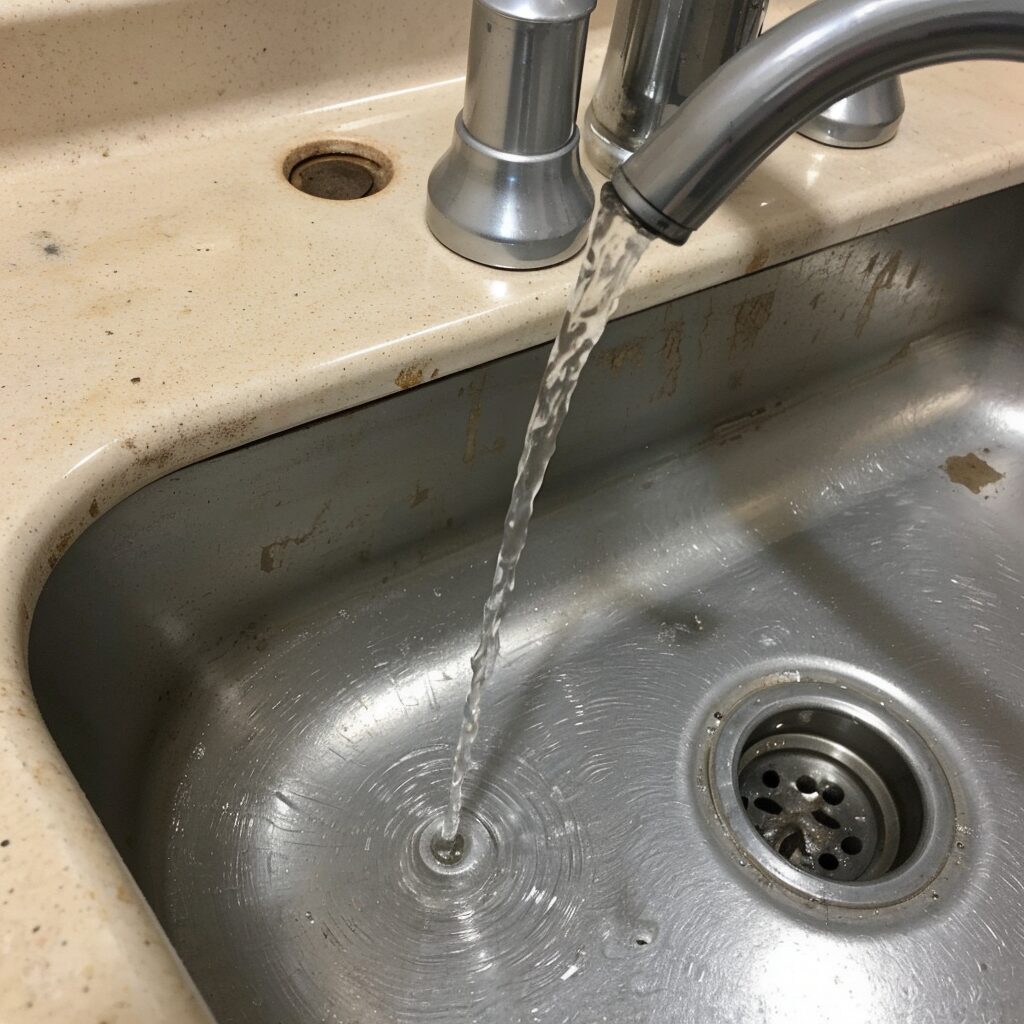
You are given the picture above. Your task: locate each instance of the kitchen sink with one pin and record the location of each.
(753, 744)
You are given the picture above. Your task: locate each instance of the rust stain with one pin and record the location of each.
(419, 495)
(158, 458)
(902, 354)
(409, 377)
(751, 315)
(94, 508)
(63, 542)
(271, 554)
(759, 259)
(630, 353)
(476, 391)
(705, 330)
(237, 429)
(733, 429)
(672, 360)
(912, 276)
(971, 471)
(884, 280)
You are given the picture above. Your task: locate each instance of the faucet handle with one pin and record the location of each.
(511, 192)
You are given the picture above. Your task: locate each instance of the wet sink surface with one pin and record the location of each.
(256, 666)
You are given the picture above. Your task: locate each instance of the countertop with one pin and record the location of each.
(168, 295)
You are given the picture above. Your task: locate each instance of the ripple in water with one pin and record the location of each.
(408, 928)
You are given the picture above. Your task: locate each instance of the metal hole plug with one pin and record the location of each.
(831, 794)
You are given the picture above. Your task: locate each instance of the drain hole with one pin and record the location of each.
(336, 170)
(825, 819)
(792, 844)
(818, 780)
(832, 794)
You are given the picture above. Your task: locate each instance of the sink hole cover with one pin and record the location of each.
(338, 170)
(831, 794)
(821, 807)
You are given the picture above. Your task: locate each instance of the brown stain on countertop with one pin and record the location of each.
(760, 259)
(409, 377)
(62, 544)
(971, 471)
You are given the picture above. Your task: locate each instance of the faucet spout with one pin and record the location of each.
(828, 50)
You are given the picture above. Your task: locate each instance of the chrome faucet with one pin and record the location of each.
(659, 52)
(776, 84)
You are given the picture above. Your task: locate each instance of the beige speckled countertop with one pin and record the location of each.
(168, 295)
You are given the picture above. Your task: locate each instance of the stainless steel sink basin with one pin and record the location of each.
(780, 557)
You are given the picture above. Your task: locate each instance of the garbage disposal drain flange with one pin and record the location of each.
(831, 794)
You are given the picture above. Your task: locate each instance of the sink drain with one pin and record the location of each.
(338, 170)
(831, 794)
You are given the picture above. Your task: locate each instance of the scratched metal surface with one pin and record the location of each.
(256, 666)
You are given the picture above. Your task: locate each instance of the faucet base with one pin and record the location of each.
(604, 153)
(867, 118)
(506, 210)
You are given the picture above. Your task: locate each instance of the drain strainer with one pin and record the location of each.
(831, 794)
(338, 170)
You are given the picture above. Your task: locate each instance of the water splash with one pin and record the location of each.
(616, 244)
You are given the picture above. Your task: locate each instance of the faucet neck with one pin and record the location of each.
(812, 59)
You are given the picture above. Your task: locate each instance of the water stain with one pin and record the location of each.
(673, 362)
(476, 391)
(271, 555)
(751, 315)
(971, 471)
(884, 280)
(618, 357)
(912, 276)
